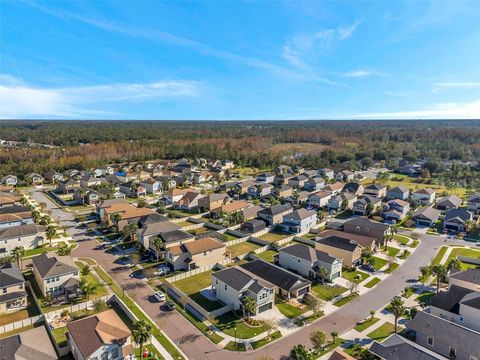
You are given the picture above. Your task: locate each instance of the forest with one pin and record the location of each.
(262, 144)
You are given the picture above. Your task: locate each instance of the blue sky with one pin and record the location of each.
(239, 60)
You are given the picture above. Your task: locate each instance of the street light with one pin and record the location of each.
(235, 330)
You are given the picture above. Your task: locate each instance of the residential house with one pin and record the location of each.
(445, 337)
(89, 197)
(283, 191)
(426, 216)
(319, 199)
(16, 219)
(201, 253)
(32, 344)
(334, 188)
(342, 248)
(10, 180)
(299, 198)
(395, 210)
(133, 189)
(473, 204)
(173, 196)
(251, 211)
(288, 284)
(449, 202)
(274, 214)
(30, 236)
(57, 276)
(241, 188)
(375, 190)
(306, 261)
(68, 186)
(282, 179)
(35, 179)
(9, 199)
(341, 202)
(189, 201)
(6, 189)
(410, 170)
(232, 284)
(314, 184)
(253, 226)
(398, 192)
(297, 181)
(260, 190)
(101, 336)
(456, 220)
(367, 227)
(230, 208)
(424, 196)
(212, 201)
(53, 176)
(469, 279)
(340, 355)
(366, 205)
(345, 175)
(150, 231)
(396, 347)
(326, 173)
(167, 182)
(365, 242)
(353, 188)
(266, 177)
(311, 173)
(87, 181)
(13, 296)
(299, 221)
(128, 213)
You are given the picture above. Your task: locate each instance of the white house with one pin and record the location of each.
(424, 196)
(29, 236)
(319, 199)
(473, 204)
(299, 221)
(10, 180)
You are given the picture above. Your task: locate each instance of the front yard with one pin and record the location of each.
(354, 275)
(289, 310)
(379, 262)
(228, 322)
(382, 332)
(328, 292)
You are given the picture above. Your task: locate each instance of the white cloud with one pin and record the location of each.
(347, 31)
(363, 73)
(465, 110)
(19, 101)
(455, 85)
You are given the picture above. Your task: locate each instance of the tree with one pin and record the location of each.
(17, 254)
(159, 246)
(50, 232)
(397, 308)
(391, 236)
(141, 333)
(352, 286)
(426, 271)
(372, 314)
(85, 270)
(99, 305)
(141, 203)
(318, 339)
(299, 352)
(322, 274)
(313, 303)
(35, 215)
(454, 263)
(115, 218)
(249, 305)
(45, 220)
(82, 192)
(64, 249)
(88, 288)
(440, 271)
(370, 208)
(334, 336)
(131, 230)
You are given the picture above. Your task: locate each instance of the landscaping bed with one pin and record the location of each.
(346, 299)
(372, 283)
(366, 324)
(228, 322)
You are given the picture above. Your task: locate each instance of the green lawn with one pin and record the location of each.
(232, 346)
(259, 343)
(38, 251)
(414, 243)
(288, 310)
(382, 332)
(372, 282)
(436, 260)
(392, 268)
(379, 262)
(464, 252)
(242, 248)
(346, 299)
(59, 335)
(401, 239)
(267, 255)
(328, 292)
(228, 322)
(409, 291)
(425, 298)
(366, 324)
(391, 251)
(273, 236)
(330, 346)
(92, 279)
(354, 275)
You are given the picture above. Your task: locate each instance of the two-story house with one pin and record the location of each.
(266, 177)
(449, 202)
(213, 201)
(283, 191)
(398, 192)
(456, 220)
(13, 296)
(274, 214)
(349, 251)
(28, 236)
(152, 186)
(319, 199)
(344, 175)
(424, 196)
(260, 190)
(473, 204)
(334, 188)
(395, 210)
(326, 173)
(299, 221)
(366, 205)
(314, 184)
(68, 186)
(189, 201)
(375, 190)
(196, 254)
(100, 337)
(297, 181)
(341, 202)
(87, 181)
(133, 189)
(353, 188)
(367, 227)
(10, 180)
(32, 344)
(57, 276)
(426, 216)
(306, 261)
(282, 179)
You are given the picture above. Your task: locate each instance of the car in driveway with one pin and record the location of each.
(367, 267)
(159, 296)
(169, 306)
(161, 270)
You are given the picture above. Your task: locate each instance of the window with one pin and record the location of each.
(367, 229)
(298, 260)
(226, 287)
(357, 228)
(430, 341)
(4, 290)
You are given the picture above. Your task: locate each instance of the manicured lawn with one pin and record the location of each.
(346, 299)
(391, 269)
(409, 292)
(194, 284)
(92, 279)
(436, 260)
(354, 275)
(38, 251)
(228, 322)
(288, 310)
(414, 243)
(379, 262)
(199, 231)
(232, 346)
(267, 255)
(401, 239)
(273, 336)
(366, 324)
(242, 248)
(328, 292)
(372, 282)
(309, 236)
(205, 303)
(151, 351)
(330, 346)
(273, 236)
(229, 237)
(184, 223)
(391, 251)
(425, 298)
(464, 252)
(59, 335)
(382, 332)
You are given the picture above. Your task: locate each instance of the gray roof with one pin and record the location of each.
(399, 348)
(49, 265)
(233, 277)
(450, 300)
(400, 189)
(351, 187)
(21, 230)
(450, 200)
(308, 253)
(159, 227)
(33, 344)
(300, 214)
(361, 221)
(10, 274)
(427, 213)
(339, 242)
(375, 187)
(175, 235)
(461, 214)
(472, 300)
(470, 275)
(276, 209)
(446, 332)
(13, 209)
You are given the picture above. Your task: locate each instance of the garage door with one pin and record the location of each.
(264, 307)
(303, 291)
(336, 275)
(423, 223)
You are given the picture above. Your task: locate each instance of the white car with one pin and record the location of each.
(162, 270)
(159, 296)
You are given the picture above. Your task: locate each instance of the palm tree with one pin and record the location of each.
(132, 230)
(141, 333)
(440, 271)
(249, 306)
(391, 236)
(158, 245)
(397, 308)
(35, 215)
(18, 253)
(299, 352)
(454, 264)
(50, 232)
(64, 250)
(82, 192)
(322, 274)
(88, 288)
(115, 218)
(334, 336)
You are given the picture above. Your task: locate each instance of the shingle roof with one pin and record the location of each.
(49, 265)
(450, 300)
(450, 200)
(308, 253)
(360, 221)
(470, 275)
(339, 242)
(159, 227)
(427, 213)
(364, 241)
(300, 214)
(10, 274)
(21, 230)
(425, 191)
(175, 235)
(399, 348)
(201, 245)
(33, 344)
(13, 209)
(461, 214)
(400, 188)
(233, 277)
(276, 209)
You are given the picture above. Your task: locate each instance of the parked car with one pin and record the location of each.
(161, 270)
(169, 306)
(159, 296)
(367, 267)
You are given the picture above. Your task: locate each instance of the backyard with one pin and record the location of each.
(273, 237)
(267, 255)
(30, 311)
(242, 248)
